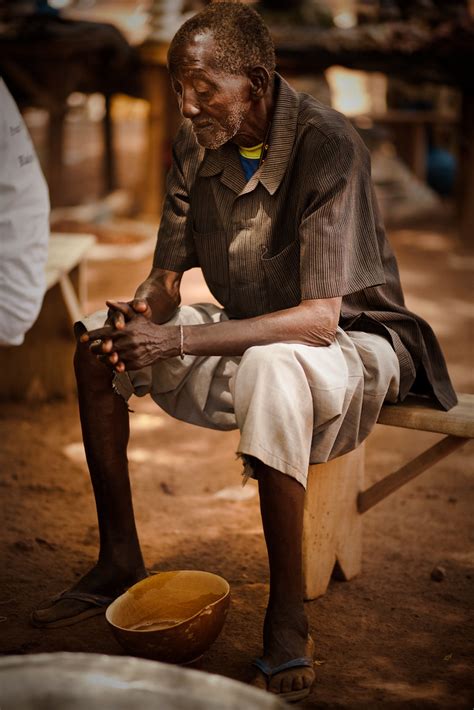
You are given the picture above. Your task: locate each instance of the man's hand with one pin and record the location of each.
(119, 314)
(133, 341)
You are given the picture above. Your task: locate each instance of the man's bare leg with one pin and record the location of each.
(285, 632)
(105, 430)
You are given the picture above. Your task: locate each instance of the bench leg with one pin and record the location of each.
(332, 527)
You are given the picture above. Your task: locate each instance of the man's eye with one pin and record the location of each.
(176, 89)
(202, 91)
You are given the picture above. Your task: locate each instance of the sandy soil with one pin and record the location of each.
(393, 637)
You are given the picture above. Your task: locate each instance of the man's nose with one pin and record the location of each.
(189, 105)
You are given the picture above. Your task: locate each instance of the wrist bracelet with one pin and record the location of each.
(181, 342)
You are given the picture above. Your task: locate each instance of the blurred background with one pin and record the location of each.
(90, 79)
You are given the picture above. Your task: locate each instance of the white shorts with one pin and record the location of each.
(294, 404)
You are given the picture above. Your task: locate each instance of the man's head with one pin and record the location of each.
(222, 63)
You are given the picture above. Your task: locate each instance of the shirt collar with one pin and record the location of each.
(282, 135)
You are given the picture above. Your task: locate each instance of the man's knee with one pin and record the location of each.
(269, 372)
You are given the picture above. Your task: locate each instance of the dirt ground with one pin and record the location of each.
(391, 638)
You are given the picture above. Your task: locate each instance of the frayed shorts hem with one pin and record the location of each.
(258, 452)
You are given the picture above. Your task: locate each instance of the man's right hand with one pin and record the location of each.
(120, 312)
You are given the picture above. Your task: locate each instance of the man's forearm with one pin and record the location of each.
(161, 291)
(311, 323)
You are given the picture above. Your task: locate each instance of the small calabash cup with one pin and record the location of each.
(172, 617)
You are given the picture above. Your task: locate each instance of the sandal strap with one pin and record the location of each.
(303, 662)
(95, 599)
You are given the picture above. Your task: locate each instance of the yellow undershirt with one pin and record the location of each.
(253, 153)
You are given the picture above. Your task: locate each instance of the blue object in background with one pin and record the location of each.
(441, 170)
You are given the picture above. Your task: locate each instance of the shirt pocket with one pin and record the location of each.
(282, 276)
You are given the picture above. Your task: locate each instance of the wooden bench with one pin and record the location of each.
(335, 499)
(41, 368)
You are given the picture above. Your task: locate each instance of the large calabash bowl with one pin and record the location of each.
(88, 681)
(171, 616)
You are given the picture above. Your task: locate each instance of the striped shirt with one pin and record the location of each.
(306, 225)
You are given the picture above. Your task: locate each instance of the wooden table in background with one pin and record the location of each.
(44, 60)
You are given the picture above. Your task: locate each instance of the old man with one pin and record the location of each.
(270, 195)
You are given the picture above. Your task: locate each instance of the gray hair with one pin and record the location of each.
(242, 40)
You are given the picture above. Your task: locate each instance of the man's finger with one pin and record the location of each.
(118, 319)
(96, 334)
(124, 308)
(139, 306)
(105, 333)
(107, 359)
(101, 346)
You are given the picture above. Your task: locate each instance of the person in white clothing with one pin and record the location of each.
(24, 225)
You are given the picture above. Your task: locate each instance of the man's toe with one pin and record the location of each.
(298, 682)
(291, 681)
(281, 682)
(57, 611)
(285, 683)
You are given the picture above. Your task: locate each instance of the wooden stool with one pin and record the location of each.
(41, 368)
(335, 499)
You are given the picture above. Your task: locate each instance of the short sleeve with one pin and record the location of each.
(175, 245)
(24, 225)
(339, 250)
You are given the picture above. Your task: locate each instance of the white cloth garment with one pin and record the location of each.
(294, 404)
(24, 225)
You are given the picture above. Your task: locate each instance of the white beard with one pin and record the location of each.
(216, 135)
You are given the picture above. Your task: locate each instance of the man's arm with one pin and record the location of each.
(312, 322)
(140, 342)
(161, 292)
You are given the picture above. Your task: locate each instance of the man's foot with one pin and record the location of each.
(286, 639)
(89, 597)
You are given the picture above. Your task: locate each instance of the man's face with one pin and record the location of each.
(217, 103)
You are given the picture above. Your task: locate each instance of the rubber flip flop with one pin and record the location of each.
(97, 605)
(291, 696)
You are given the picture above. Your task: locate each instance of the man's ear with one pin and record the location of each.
(259, 82)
